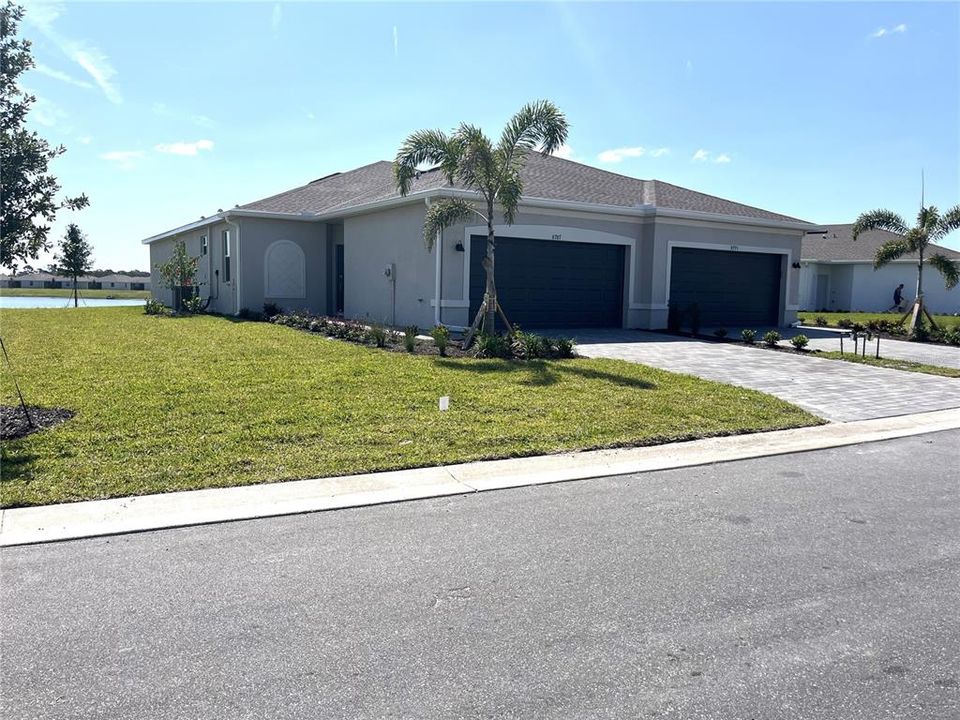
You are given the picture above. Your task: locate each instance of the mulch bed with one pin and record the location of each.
(14, 423)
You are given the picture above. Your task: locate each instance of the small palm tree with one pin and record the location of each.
(931, 226)
(468, 156)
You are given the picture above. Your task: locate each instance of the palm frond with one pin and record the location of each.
(879, 220)
(478, 168)
(889, 251)
(539, 123)
(949, 222)
(950, 269)
(424, 146)
(443, 214)
(928, 218)
(508, 195)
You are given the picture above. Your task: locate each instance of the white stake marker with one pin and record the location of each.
(444, 403)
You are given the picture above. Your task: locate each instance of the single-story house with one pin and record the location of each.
(84, 282)
(123, 282)
(588, 248)
(837, 274)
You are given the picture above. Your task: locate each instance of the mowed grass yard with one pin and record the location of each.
(807, 318)
(168, 404)
(64, 293)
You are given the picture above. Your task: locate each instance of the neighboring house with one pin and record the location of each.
(589, 248)
(30, 280)
(84, 282)
(837, 274)
(124, 282)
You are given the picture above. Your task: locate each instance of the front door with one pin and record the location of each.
(338, 301)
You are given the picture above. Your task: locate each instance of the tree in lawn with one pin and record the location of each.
(28, 197)
(75, 257)
(930, 228)
(469, 157)
(179, 272)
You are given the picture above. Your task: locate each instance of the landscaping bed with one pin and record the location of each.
(177, 403)
(15, 423)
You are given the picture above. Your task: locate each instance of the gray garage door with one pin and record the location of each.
(731, 288)
(552, 284)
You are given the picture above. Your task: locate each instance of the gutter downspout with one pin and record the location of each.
(235, 226)
(438, 272)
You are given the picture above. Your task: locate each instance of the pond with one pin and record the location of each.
(61, 302)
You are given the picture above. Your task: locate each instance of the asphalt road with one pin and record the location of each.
(818, 585)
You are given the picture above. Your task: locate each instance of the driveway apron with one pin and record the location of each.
(833, 389)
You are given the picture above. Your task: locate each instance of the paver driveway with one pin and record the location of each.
(833, 389)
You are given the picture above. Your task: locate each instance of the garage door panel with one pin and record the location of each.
(544, 283)
(730, 288)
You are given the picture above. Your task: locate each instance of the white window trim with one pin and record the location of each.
(266, 270)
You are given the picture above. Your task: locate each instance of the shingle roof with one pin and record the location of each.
(544, 176)
(837, 245)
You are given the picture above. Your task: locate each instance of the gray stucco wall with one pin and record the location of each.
(256, 236)
(209, 270)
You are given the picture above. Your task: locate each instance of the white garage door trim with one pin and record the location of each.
(288, 278)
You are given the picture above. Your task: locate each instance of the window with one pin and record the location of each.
(226, 255)
(203, 244)
(284, 270)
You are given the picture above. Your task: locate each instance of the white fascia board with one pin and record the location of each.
(212, 220)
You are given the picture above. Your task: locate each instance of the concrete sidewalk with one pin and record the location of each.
(50, 523)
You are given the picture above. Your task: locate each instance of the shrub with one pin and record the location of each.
(748, 336)
(528, 346)
(952, 336)
(243, 313)
(898, 330)
(377, 335)
(441, 338)
(845, 323)
(193, 305)
(270, 309)
(720, 332)
(673, 318)
(799, 342)
(563, 347)
(771, 338)
(694, 312)
(154, 307)
(492, 346)
(820, 321)
(410, 338)
(921, 333)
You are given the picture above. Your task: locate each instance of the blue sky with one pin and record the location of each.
(170, 111)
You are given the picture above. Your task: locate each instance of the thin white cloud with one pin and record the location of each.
(618, 154)
(660, 152)
(85, 139)
(122, 155)
(275, 19)
(396, 42)
(184, 148)
(203, 121)
(61, 76)
(896, 29)
(94, 61)
(722, 159)
(701, 155)
(564, 151)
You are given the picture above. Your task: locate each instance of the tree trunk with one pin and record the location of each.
(918, 300)
(920, 274)
(490, 316)
(75, 301)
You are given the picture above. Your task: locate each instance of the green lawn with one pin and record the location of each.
(807, 318)
(177, 403)
(63, 292)
(892, 363)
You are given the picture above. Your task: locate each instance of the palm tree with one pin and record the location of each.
(931, 226)
(468, 156)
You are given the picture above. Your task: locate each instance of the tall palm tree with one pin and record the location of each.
(931, 226)
(469, 157)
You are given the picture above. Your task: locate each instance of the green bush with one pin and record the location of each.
(771, 338)
(377, 335)
(748, 336)
(845, 323)
(270, 309)
(529, 346)
(952, 336)
(441, 338)
(492, 346)
(799, 342)
(193, 305)
(720, 332)
(410, 338)
(154, 307)
(921, 333)
(820, 321)
(897, 330)
(563, 347)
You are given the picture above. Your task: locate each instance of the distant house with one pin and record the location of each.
(589, 248)
(84, 282)
(837, 274)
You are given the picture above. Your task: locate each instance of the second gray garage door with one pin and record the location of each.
(542, 283)
(731, 288)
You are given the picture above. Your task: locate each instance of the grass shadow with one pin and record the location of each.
(544, 373)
